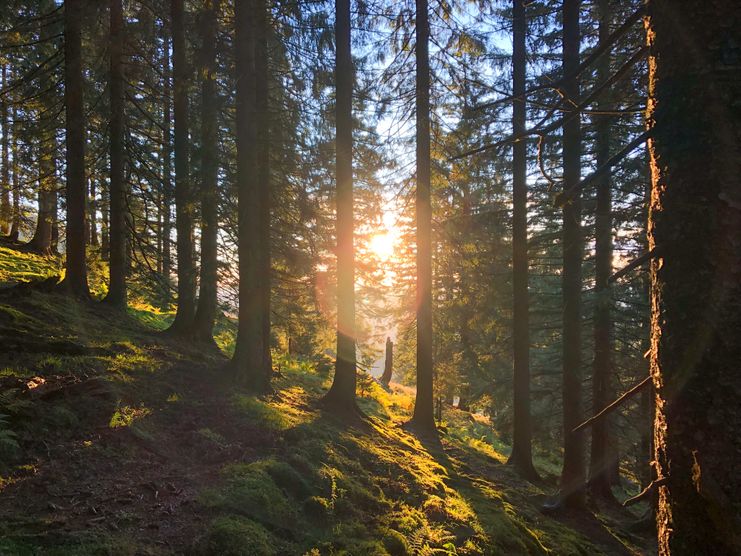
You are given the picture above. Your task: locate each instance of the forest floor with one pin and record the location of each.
(116, 439)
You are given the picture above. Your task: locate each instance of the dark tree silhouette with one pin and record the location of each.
(262, 101)
(573, 475)
(183, 196)
(75, 280)
(341, 394)
(388, 365)
(249, 355)
(423, 417)
(117, 220)
(206, 310)
(521, 456)
(600, 461)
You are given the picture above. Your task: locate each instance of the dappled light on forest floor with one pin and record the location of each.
(137, 443)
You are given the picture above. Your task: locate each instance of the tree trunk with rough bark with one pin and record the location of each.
(695, 217)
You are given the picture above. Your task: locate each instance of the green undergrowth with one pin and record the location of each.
(330, 486)
(310, 483)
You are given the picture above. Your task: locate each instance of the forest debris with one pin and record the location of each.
(630, 393)
(656, 483)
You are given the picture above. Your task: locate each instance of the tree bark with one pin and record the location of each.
(263, 160)
(5, 211)
(41, 241)
(695, 216)
(342, 392)
(521, 457)
(249, 355)
(15, 227)
(601, 458)
(75, 280)
(186, 272)
(92, 215)
(424, 416)
(206, 311)
(117, 194)
(166, 231)
(388, 366)
(573, 474)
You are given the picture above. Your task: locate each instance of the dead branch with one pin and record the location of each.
(630, 393)
(655, 252)
(653, 485)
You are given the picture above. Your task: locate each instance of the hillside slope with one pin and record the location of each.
(119, 440)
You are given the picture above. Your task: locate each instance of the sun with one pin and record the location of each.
(382, 245)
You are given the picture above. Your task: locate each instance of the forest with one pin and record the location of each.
(302, 277)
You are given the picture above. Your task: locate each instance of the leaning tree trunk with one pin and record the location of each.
(342, 392)
(424, 416)
(600, 462)
(75, 280)
(522, 457)
(117, 195)
(573, 475)
(695, 219)
(186, 308)
(203, 325)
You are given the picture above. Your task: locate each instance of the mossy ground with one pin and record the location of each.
(119, 440)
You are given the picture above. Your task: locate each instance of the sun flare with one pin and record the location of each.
(382, 244)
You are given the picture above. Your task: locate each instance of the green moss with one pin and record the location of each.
(237, 536)
(251, 492)
(395, 543)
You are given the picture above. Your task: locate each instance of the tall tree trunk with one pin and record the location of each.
(104, 225)
(166, 174)
(424, 416)
(601, 460)
(248, 357)
(521, 457)
(41, 241)
(342, 392)
(5, 213)
(117, 194)
(183, 196)
(92, 217)
(573, 475)
(75, 280)
(263, 161)
(206, 310)
(695, 218)
(15, 227)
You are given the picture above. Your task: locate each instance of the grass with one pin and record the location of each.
(268, 475)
